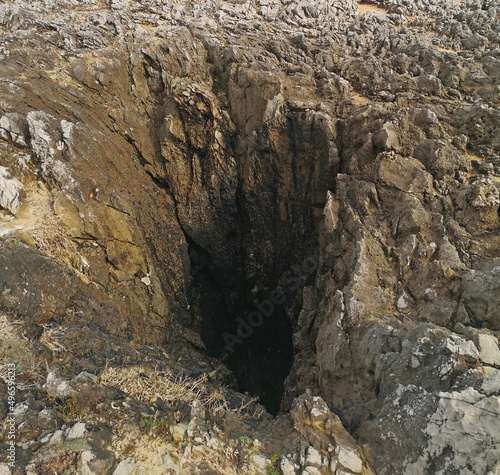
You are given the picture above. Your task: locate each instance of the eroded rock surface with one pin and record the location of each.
(11, 191)
(165, 165)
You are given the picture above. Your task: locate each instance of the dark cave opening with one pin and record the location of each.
(249, 331)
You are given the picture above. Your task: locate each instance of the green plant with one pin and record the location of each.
(274, 467)
(155, 426)
(76, 445)
(69, 409)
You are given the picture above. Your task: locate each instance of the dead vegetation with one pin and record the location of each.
(16, 349)
(173, 388)
(50, 338)
(53, 240)
(64, 461)
(38, 226)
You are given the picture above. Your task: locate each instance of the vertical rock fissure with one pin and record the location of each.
(242, 326)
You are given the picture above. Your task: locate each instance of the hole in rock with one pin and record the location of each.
(243, 328)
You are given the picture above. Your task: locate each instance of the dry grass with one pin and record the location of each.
(50, 339)
(173, 388)
(16, 349)
(53, 240)
(223, 456)
(38, 225)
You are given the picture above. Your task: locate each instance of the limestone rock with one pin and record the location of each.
(13, 127)
(488, 349)
(461, 438)
(439, 158)
(99, 436)
(48, 420)
(406, 174)
(57, 386)
(77, 431)
(102, 462)
(325, 432)
(124, 468)
(12, 192)
(481, 295)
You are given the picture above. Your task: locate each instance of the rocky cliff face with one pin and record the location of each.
(298, 198)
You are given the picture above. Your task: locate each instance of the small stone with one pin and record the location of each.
(124, 468)
(287, 467)
(312, 471)
(102, 462)
(48, 420)
(56, 386)
(84, 378)
(430, 295)
(260, 461)
(179, 431)
(401, 303)
(55, 438)
(77, 431)
(169, 464)
(86, 457)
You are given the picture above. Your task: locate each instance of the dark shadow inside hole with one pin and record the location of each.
(262, 360)
(253, 340)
